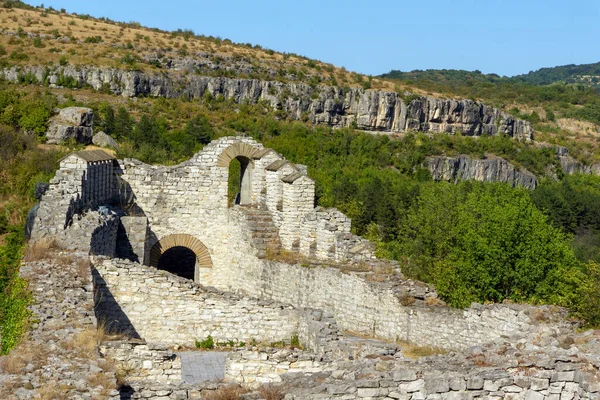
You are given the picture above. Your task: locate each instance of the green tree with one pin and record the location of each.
(123, 124)
(107, 118)
(199, 129)
(479, 242)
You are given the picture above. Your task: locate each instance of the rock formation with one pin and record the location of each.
(71, 123)
(372, 110)
(103, 140)
(496, 169)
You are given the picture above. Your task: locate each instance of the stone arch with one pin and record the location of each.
(234, 151)
(203, 259)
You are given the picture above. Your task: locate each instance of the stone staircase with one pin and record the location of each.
(265, 235)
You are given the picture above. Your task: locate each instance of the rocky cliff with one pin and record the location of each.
(372, 110)
(453, 169)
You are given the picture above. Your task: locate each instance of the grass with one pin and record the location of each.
(413, 351)
(272, 392)
(104, 43)
(41, 250)
(229, 392)
(23, 355)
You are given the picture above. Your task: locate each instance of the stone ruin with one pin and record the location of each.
(173, 262)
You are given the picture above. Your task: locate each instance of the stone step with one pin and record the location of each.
(265, 234)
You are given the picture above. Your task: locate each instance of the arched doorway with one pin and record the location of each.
(239, 159)
(239, 186)
(179, 260)
(183, 255)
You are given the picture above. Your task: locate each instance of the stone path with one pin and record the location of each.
(199, 366)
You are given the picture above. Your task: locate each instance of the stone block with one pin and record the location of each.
(413, 386)
(437, 385)
(404, 376)
(475, 383)
(533, 395)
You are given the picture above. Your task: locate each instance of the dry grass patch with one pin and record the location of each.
(21, 356)
(272, 392)
(413, 351)
(229, 392)
(52, 391)
(40, 250)
(124, 373)
(102, 379)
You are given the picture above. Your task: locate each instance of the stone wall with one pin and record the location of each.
(164, 308)
(252, 368)
(382, 379)
(387, 309)
(140, 361)
(94, 233)
(132, 238)
(78, 186)
(191, 198)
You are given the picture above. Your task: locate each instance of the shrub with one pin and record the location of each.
(93, 39)
(18, 56)
(63, 60)
(587, 305)
(37, 42)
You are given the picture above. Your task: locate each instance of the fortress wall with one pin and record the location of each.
(163, 308)
(77, 186)
(376, 309)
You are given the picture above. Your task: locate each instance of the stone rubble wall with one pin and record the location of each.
(252, 368)
(92, 233)
(191, 198)
(362, 305)
(140, 361)
(164, 308)
(560, 381)
(298, 200)
(132, 238)
(76, 187)
(371, 110)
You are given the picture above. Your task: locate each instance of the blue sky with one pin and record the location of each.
(507, 37)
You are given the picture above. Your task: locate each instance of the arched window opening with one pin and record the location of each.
(178, 260)
(239, 189)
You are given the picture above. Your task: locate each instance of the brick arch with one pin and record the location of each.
(184, 240)
(236, 150)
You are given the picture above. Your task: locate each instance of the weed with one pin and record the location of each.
(295, 342)
(206, 344)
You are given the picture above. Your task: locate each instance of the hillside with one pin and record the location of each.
(584, 74)
(519, 199)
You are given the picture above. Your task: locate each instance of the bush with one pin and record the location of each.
(587, 305)
(93, 39)
(18, 56)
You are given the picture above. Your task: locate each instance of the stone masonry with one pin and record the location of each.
(347, 308)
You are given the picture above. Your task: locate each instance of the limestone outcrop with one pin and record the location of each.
(371, 110)
(103, 140)
(71, 123)
(496, 169)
